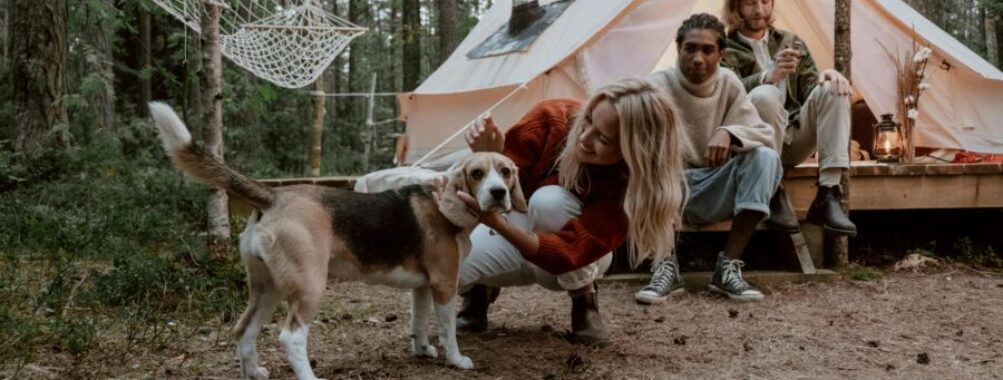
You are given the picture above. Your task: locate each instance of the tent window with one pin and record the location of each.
(528, 21)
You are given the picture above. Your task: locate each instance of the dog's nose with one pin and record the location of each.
(498, 192)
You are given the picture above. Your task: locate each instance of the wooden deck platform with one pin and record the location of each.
(874, 186)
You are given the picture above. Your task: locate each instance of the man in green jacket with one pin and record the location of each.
(809, 110)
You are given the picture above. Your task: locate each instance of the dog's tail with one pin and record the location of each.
(197, 162)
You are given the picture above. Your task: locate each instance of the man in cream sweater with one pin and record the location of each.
(734, 170)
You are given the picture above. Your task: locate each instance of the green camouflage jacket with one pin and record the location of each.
(740, 58)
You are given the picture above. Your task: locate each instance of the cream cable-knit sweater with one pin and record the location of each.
(720, 102)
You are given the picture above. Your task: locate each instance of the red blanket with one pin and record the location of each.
(964, 157)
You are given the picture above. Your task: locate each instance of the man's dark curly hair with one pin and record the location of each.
(702, 21)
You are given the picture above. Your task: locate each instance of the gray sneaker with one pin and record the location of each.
(727, 280)
(665, 282)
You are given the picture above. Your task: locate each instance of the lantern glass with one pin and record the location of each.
(887, 140)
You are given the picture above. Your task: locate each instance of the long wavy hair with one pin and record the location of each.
(653, 144)
(733, 19)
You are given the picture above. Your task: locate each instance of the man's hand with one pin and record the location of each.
(484, 136)
(785, 63)
(718, 149)
(839, 84)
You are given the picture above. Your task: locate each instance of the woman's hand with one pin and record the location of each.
(526, 242)
(483, 135)
(491, 218)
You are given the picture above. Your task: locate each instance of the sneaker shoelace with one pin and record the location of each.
(663, 277)
(732, 276)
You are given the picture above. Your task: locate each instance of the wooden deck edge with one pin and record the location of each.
(699, 280)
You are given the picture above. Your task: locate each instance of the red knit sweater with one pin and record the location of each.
(534, 143)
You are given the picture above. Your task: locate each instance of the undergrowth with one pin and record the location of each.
(101, 251)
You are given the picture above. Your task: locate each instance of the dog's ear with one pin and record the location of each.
(450, 205)
(518, 200)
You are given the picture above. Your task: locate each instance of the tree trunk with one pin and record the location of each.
(4, 19)
(193, 97)
(333, 77)
(999, 37)
(318, 126)
(992, 36)
(449, 31)
(145, 62)
(37, 33)
(99, 35)
(212, 83)
(370, 133)
(411, 33)
(355, 55)
(839, 245)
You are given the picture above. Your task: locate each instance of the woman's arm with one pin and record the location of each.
(597, 231)
(527, 242)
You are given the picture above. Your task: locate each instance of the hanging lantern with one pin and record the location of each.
(887, 140)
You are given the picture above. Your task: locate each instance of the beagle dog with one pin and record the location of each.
(300, 236)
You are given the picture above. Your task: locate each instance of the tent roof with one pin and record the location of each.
(580, 23)
(597, 42)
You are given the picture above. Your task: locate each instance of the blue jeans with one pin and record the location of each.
(746, 182)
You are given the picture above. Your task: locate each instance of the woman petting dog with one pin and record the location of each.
(596, 174)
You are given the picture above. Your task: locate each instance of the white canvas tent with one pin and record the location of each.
(600, 41)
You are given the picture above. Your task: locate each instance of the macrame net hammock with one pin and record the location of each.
(288, 43)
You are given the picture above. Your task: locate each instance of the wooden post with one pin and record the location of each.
(212, 82)
(318, 126)
(837, 246)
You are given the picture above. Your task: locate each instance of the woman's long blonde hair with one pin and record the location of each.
(653, 145)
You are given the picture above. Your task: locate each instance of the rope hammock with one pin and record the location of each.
(289, 43)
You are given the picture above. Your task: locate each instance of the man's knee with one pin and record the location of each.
(766, 98)
(823, 93)
(764, 156)
(762, 161)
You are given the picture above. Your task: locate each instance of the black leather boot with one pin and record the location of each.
(782, 217)
(586, 324)
(474, 315)
(825, 211)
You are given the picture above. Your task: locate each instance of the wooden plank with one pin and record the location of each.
(909, 192)
(873, 168)
(927, 192)
(990, 168)
(804, 257)
(724, 226)
(814, 236)
(696, 281)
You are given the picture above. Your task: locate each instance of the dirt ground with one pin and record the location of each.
(935, 325)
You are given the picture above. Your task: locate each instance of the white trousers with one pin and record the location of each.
(493, 261)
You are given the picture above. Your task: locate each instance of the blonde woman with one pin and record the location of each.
(596, 174)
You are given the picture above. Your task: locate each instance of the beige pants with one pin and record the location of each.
(825, 126)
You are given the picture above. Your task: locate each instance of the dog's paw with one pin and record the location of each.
(426, 351)
(461, 362)
(259, 373)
